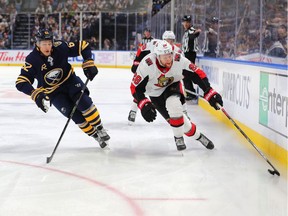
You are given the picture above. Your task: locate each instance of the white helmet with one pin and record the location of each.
(163, 47)
(168, 35)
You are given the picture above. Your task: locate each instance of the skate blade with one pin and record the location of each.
(130, 123)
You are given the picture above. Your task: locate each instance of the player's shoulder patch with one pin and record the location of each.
(149, 61)
(177, 57)
(57, 43)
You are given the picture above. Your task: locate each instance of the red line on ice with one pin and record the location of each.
(136, 209)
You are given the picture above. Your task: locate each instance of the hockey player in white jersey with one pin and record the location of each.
(159, 76)
(144, 50)
(170, 37)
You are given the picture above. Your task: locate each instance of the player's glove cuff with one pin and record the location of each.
(142, 103)
(89, 68)
(88, 63)
(148, 111)
(35, 93)
(40, 97)
(214, 98)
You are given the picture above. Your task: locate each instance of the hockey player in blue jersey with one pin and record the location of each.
(58, 83)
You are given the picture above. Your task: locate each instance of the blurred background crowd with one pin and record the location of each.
(245, 27)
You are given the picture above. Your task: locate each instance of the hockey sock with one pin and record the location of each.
(190, 128)
(177, 126)
(87, 128)
(92, 116)
(134, 106)
(175, 111)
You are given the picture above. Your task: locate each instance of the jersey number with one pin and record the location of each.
(27, 66)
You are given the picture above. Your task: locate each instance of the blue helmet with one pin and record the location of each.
(44, 34)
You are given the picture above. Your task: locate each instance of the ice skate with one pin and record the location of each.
(101, 136)
(131, 117)
(179, 141)
(101, 132)
(205, 141)
(103, 144)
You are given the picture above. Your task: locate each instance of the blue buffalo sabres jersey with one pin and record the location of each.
(51, 71)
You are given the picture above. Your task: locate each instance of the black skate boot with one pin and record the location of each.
(205, 141)
(101, 132)
(179, 141)
(103, 144)
(131, 117)
(101, 136)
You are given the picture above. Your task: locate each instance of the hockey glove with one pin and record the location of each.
(213, 98)
(89, 68)
(134, 66)
(39, 98)
(148, 111)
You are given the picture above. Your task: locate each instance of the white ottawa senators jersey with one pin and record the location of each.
(157, 77)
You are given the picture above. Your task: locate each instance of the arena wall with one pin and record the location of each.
(255, 95)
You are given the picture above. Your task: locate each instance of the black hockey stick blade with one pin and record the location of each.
(48, 159)
(273, 172)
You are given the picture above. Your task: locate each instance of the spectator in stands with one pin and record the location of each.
(18, 5)
(276, 44)
(6, 40)
(59, 8)
(40, 9)
(82, 5)
(93, 43)
(107, 44)
(48, 7)
(282, 36)
(54, 4)
(275, 48)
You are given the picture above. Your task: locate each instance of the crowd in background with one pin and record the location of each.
(49, 6)
(8, 13)
(245, 27)
(232, 43)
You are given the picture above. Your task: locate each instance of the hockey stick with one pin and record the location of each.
(49, 159)
(272, 172)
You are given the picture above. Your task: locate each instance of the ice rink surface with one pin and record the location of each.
(141, 175)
